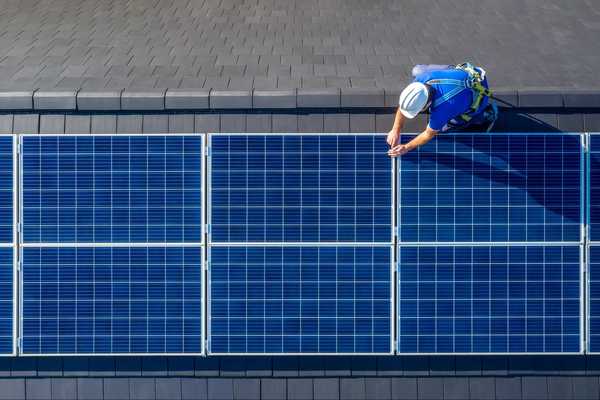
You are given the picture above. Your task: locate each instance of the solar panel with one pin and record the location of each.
(94, 300)
(594, 187)
(6, 300)
(6, 189)
(492, 188)
(112, 189)
(489, 299)
(300, 188)
(300, 299)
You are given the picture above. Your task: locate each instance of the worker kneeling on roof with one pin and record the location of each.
(457, 97)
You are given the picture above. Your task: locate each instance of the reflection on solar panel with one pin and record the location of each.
(594, 187)
(111, 300)
(492, 188)
(300, 188)
(112, 189)
(300, 300)
(489, 299)
(6, 189)
(6, 300)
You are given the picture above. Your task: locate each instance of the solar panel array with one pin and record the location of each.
(113, 239)
(301, 244)
(521, 194)
(7, 244)
(301, 234)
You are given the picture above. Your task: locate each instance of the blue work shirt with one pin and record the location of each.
(439, 116)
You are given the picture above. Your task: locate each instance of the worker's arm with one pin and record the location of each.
(394, 134)
(420, 140)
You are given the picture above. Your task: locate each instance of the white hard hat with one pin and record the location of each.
(413, 99)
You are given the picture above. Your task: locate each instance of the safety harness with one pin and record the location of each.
(473, 82)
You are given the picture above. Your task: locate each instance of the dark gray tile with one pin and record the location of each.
(273, 388)
(128, 366)
(591, 122)
(362, 98)
(64, 388)
(142, 388)
(220, 388)
(352, 388)
(506, 98)
(364, 366)
(99, 100)
(482, 388)
(187, 99)
(233, 366)
(228, 99)
(116, 388)
(52, 124)
(585, 387)
(16, 100)
(468, 365)
(143, 100)
(310, 122)
(50, 366)
(378, 388)
(12, 389)
(102, 366)
(285, 366)
(456, 388)
(194, 389)
(206, 366)
(360, 123)
(384, 121)
(560, 387)
(416, 125)
(319, 98)
(79, 124)
(181, 123)
(89, 389)
(76, 366)
(168, 388)
(508, 388)
(311, 366)
(518, 365)
(442, 365)
(337, 366)
(299, 389)
(181, 366)
(285, 123)
(55, 100)
(26, 123)
(6, 123)
(430, 388)
(416, 365)
(104, 124)
(494, 365)
(540, 98)
(274, 98)
(207, 123)
(129, 123)
(326, 388)
(389, 366)
(570, 122)
(155, 123)
(404, 388)
(336, 123)
(581, 98)
(259, 366)
(38, 389)
(233, 123)
(534, 387)
(246, 388)
(258, 123)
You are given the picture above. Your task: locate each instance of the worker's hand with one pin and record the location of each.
(399, 150)
(392, 138)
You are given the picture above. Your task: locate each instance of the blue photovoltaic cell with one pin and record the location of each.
(486, 299)
(300, 300)
(6, 300)
(594, 187)
(111, 300)
(6, 189)
(492, 188)
(594, 299)
(112, 189)
(300, 188)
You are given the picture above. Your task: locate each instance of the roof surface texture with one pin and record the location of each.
(314, 44)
